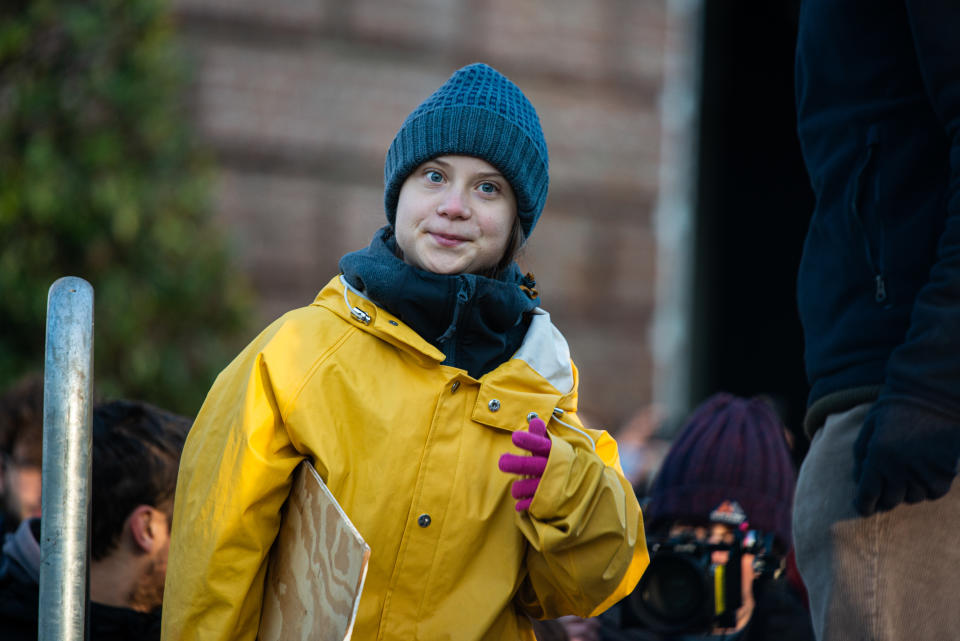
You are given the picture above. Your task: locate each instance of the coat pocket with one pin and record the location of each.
(864, 207)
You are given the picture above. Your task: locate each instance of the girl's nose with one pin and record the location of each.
(454, 204)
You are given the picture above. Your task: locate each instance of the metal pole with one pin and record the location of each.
(67, 412)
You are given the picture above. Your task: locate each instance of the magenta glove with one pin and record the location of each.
(530, 467)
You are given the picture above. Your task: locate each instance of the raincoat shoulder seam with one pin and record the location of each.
(312, 370)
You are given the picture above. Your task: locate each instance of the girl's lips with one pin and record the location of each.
(447, 241)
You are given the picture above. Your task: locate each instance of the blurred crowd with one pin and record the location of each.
(135, 457)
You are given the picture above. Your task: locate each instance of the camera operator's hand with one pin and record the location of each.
(530, 467)
(904, 453)
(578, 629)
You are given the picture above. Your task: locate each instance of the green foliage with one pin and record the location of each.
(101, 178)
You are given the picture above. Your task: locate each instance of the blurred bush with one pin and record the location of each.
(101, 178)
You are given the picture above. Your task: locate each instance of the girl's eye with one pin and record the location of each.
(434, 176)
(489, 188)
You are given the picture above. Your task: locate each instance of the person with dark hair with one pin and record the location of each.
(878, 291)
(136, 452)
(21, 452)
(718, 523)
(410, 384)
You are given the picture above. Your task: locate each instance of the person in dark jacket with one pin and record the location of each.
(727, 481)
(136, 452)
(878, 111)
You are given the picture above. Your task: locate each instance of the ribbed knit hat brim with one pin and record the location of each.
(477, 112)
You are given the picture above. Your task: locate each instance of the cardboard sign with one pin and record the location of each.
(316, 569)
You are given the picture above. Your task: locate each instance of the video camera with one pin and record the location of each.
(683, 590)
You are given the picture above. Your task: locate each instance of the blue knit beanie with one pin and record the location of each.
(729, 463)
(477, 112)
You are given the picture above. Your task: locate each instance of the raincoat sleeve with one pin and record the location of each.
(234, 476)
(587, 547)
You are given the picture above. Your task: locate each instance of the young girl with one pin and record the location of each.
(409, 384)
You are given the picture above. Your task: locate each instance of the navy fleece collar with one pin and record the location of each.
(477, 322)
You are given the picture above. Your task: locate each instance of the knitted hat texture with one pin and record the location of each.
(477, 112)
(731, 450)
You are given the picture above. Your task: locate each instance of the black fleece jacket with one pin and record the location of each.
(878, 112)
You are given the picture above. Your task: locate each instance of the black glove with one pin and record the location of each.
(904, 452)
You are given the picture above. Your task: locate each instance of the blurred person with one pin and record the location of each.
(642, 449)
(435, 399)
(877, 509)
(21, 452)
(718, 523)
(136, 451)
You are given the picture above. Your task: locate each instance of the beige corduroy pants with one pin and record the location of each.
(893, 576)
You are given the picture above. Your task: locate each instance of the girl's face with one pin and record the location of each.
(455, 215)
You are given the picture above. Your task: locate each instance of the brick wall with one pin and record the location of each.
(300, 99)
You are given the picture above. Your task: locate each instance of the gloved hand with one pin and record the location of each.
(904, 453)
(530, 467)
(579, 629)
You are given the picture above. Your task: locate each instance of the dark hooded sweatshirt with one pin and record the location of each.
(19, 597)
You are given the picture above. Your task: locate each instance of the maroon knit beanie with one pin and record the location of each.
(730, 461)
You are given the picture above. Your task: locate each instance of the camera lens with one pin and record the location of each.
(673, 594)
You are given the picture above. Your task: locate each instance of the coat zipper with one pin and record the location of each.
(880, 286)
(450, 337)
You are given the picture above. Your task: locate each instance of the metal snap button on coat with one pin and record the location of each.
(424, 520)
(494, 405)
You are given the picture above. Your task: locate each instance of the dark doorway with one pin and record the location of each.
(754, 203)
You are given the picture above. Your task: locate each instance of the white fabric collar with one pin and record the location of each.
(545, 350)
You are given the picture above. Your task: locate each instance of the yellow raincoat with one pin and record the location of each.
(398, 437)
